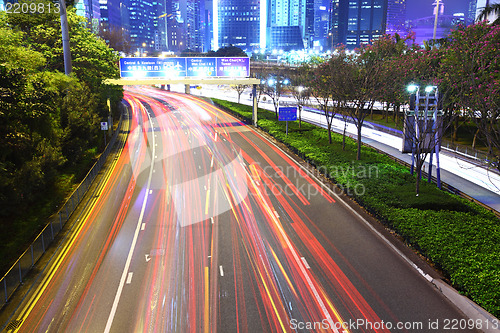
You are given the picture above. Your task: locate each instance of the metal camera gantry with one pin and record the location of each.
(423, 128)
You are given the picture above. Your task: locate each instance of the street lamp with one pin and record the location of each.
(429, 89)
(412, 88)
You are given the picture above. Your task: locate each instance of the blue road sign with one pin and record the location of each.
(175, 68)
(200, 67)
(288, 113)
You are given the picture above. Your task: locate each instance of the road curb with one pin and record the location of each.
(489, 323)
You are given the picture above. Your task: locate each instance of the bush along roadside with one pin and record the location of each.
(461, 238)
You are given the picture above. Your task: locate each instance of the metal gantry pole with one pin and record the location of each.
(254, 97)
(65, 37)
(436, 140)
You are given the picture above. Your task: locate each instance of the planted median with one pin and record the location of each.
(461, 238)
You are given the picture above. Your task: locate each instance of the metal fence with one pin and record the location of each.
(478, 157)
(15, 275)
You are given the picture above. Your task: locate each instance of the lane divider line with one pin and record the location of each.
(134, 240)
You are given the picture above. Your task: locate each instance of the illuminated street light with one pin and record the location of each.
(429, 89)
(412, 88)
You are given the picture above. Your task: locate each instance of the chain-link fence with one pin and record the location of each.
(15, 275)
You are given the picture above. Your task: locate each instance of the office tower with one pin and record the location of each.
(238, 23)
(471, 12)
(209, 26)
(321, 24)
(290, 24)
(110, 11)
(91, 11)
(396, 17)
(143, 25)
(309, 28)
(171, 36)
(195, 25)
(356, 22)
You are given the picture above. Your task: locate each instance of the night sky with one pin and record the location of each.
(421, 8)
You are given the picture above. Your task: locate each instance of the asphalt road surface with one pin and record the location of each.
(204, 225)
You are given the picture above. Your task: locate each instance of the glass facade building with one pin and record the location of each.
(290, 24)
(238, 23)
(356, 22)
(396, 17)
(143, 25)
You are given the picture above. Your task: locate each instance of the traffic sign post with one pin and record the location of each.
(104, 128)
(287, 114)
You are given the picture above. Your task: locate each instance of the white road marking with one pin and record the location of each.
(143, 226)
(129, 277)
(107, 329)
(305, 262)
(212, 162)
(212, 219)
(276, 213)
(221, 270)
(148, 258)
(150, 191)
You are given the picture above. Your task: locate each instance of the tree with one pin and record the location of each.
(300, 79)
(366, 84)
(240, 88)
(117, 38)
(471, 67)
(275, 84)
(227, 51)
(488, 11)
(392, 74)
(47, 119)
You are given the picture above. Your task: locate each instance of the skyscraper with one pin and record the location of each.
(91, 10)
(471, 12)
(239, 23)
(286, 24)
(195, 25)
(356, 22)
(143, 24)
(396, 17)
(110, 13)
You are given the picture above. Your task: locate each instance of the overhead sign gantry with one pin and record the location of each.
(187, 71)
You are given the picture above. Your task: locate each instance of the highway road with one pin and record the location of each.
(203, 225)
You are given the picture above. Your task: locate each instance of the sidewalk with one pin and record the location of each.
(456, 170)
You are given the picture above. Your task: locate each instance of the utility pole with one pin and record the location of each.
(65, 37)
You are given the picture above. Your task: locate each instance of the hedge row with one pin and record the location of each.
(459, 237)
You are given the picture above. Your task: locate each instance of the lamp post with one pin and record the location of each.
(414, 89)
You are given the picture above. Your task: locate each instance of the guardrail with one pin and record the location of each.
(478, 157)
(18, 271)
